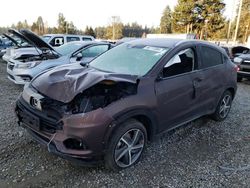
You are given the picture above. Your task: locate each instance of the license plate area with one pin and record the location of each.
(29, 119)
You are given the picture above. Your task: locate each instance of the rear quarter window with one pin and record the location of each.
(210, 57)
(72, 39)
(86, 39)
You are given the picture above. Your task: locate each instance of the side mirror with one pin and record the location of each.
(79, 56)
(159, 77)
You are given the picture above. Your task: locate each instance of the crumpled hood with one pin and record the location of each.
(64, 82)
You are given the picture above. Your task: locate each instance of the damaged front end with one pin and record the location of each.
(74, 129)
(101, 95)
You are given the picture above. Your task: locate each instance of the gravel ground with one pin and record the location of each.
(203, 153)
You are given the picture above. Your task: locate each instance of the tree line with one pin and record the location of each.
(202, 17)
(205, 18)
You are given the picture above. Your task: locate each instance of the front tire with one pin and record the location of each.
(224, 106)
(126, 145)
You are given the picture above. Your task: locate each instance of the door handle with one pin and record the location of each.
(198, 79)
(196, 83)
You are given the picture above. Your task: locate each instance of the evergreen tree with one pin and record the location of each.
(166, 21)
(203, 17)
(62, 23)
(244, 27)
(89, 31)
(100, 32)
(185, 16)
(40, 25)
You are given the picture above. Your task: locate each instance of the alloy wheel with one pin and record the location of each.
(225, 106)
(129, 148)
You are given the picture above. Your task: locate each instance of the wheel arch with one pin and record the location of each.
(232, 91)
(144, 116)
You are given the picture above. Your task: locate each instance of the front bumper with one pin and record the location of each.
(18, 77)
(89, 162)
(91, 132)
(243, 74)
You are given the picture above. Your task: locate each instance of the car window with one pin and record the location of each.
(46, 38)
(57, 41)
(182, 62)
(94, 50)
(86, 39)
(129, 59)
(70, 39)
(210, 57)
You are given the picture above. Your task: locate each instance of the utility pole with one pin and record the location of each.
(113, 23)
(238, 22)
(67, 28)
(245, 36)
(230, 22)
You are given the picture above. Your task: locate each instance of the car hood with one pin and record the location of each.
(13, 53)
(32, 38)
(11, 39)
(65, 82)
(245, 56)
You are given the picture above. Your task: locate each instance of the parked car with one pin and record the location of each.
(108, 109)
(4, 44)
(239, 50)
(21, 71)
(56, 40)
(23, 47)
(235, 51)
(243, 63)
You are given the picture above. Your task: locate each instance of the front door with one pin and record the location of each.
(176, 89)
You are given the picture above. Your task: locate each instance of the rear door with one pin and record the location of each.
(175, 90)
(213, 68)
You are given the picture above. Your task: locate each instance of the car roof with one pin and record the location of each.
(68, 35)
(86, 43)
(171, 42)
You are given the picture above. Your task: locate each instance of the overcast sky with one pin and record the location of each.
(92, 12)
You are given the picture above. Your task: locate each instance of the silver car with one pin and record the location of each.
(22, 46)
(22, 70)
(56, 40)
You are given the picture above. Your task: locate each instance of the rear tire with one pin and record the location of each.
(126, 145)
(223, 107)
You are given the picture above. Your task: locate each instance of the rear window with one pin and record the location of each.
(71, 39)
(210, 57)
(86, 39)
(57, 41)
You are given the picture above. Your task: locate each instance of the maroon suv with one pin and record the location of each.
(109, 109)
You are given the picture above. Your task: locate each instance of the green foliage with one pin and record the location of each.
(89, 31)
(166, 21)
(100, 32)
(204, 17)
(133, 30)
(62, 24)
(184, 16)
(71, 28)
(244, 28)
(114, 30)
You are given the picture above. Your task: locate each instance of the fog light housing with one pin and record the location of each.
(74, 143)
(26, 78)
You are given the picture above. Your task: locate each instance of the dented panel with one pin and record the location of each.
(65, 82)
